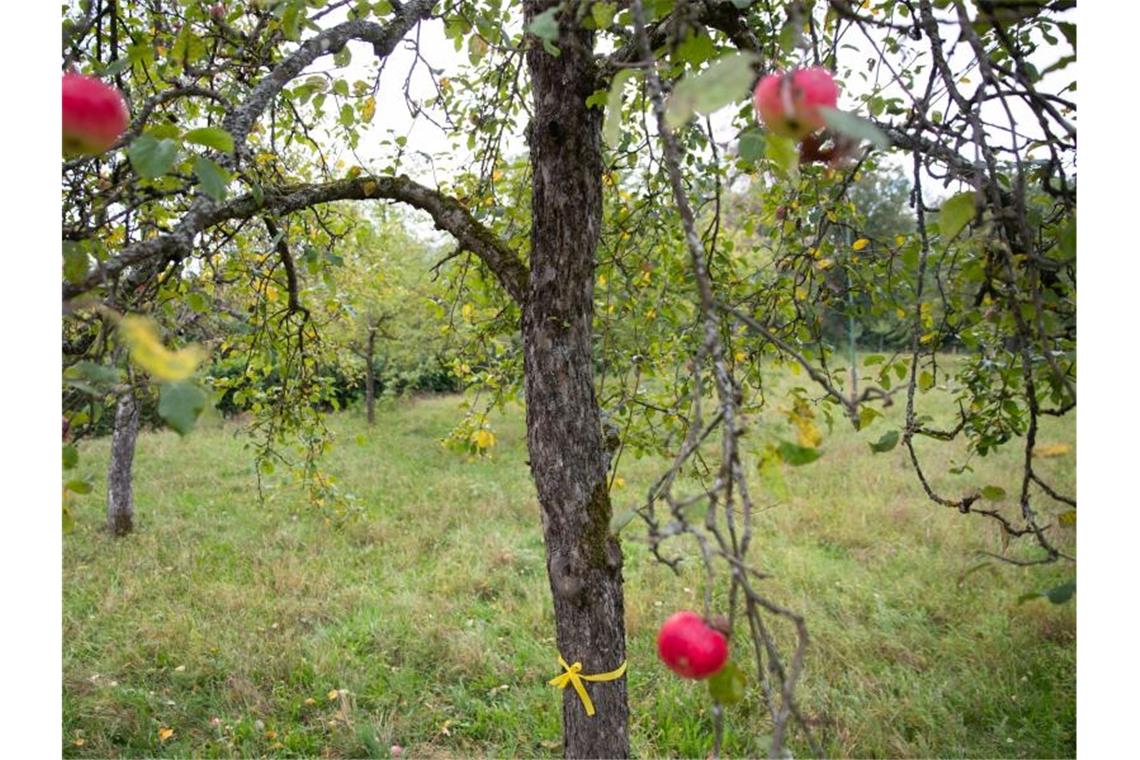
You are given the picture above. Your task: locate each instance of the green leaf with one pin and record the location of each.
(621, 519)
(180, 404)
(1063, 593)
(103, 376)
(1070, 32)
(75, 261)
(1067, 241)
(797, 455)
(867, 415)
(993, 493)
(752, 145)
(291, 20)
(696, 49)
(725, 81)
(783, 152)
(196, 301)
(70, 456)
(545, 25)
(342, 57)
(188, 47)
(211, 177)
(603, 14)
(955, 214)
(888, 441)
(164, 132)
(855, 126)
(151, 158)
(612, 127)
(925, 381)
(212, 137)
(78, 486)
(727, 685)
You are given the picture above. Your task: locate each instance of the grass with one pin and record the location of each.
(268, 629)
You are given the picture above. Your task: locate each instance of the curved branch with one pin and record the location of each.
(384, 39)
(447, 213)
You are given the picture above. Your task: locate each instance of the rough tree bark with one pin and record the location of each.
(120, 492)
(567, 451)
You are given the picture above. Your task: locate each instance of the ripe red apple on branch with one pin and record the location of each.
(94, 115)
(691, 647)
(789, 103)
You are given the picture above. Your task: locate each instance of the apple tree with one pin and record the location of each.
(644, 313)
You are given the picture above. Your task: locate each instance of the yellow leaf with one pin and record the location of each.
(79, 742)
(619, 482)
(801, 293)
(165, 733)
(368, 110)
(601, 281)
(370, 187)
(483, 439)
(825, 264)
(740, 357)
(147, 351)
(310, 701)
(467, 312)
(332, 694)
(900, 239)
(860, 244)
(1052, 450)
(1068, 519)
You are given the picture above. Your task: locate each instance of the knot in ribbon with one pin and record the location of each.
(574, 677)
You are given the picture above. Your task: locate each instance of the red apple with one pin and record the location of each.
(94, 115)
(690, 646)
(789, 103)
(218, 11)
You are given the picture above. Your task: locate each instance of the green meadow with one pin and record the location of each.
(229, 625)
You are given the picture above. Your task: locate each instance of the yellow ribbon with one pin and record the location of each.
(574, 677)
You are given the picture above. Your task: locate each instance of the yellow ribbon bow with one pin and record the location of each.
(574, 677)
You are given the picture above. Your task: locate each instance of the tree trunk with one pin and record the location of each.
(120, 492)
(567, 451)
(370, 377)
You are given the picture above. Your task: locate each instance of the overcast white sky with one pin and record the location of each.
(393, 117)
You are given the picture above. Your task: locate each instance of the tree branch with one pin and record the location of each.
(447, 213)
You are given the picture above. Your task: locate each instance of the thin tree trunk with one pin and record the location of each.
(120, 492)
(370, 377)
(567, 452)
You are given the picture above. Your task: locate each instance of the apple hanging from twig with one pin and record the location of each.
(789, 103)
(691, 647)
(94, 115)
